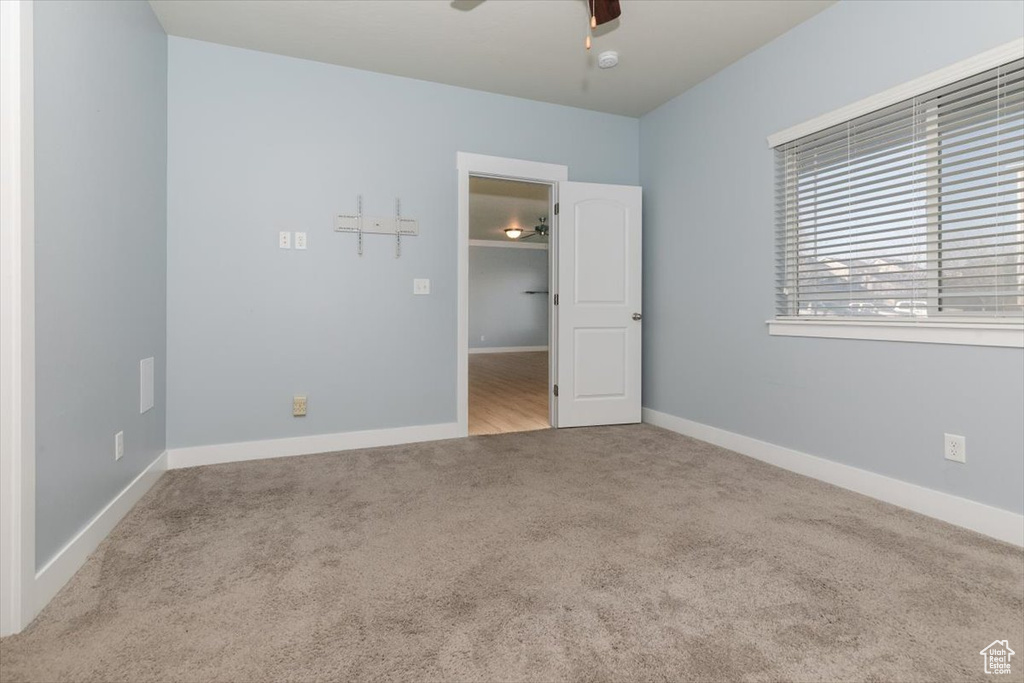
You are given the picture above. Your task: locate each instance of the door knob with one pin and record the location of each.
(637, 316)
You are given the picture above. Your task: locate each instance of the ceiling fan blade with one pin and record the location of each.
(465, 5)
(605, 10)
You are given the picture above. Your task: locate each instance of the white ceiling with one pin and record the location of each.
(498, 204)
(526, 48)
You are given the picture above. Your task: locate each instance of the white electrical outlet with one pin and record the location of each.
(300, 240)
(956, 448)
(284, 240)
(421, 286)
(119, 445)
(299, 406)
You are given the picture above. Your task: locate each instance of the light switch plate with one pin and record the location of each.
(300, 240)
(284, 240)
(146, 381)
(421, 286)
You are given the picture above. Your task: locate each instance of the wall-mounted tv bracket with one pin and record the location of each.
(359, 221)
(398, 233)
(361, 224)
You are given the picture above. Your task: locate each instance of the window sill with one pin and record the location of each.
(931, 331)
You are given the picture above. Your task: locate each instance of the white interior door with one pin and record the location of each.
(599, 297)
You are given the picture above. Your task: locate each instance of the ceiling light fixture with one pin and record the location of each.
(513, 233)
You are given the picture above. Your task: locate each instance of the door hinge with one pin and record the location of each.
(556, 208)
(556, 390)
(556, 299)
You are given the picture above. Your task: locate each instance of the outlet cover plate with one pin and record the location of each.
(299, 406)
(119, 445)
(956, 448)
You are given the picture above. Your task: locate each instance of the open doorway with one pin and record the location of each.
(594, 299)
(509, 300)
(469, 166)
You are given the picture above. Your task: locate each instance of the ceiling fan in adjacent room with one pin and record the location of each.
(539, 230)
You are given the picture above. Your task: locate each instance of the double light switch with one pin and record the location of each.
(284, 240)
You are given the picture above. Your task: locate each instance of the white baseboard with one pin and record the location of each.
(507, 349)
(59, 570)
(985, 519)
(195, 456)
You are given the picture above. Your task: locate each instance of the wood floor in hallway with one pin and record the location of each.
(508, 392)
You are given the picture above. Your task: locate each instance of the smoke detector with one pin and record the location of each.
(608, 59)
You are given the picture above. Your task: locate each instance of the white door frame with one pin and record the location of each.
(17, 319)
(508, 169)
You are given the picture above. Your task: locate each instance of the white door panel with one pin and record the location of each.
(600, 236)
(599, 288)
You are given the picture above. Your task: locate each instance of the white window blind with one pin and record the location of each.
(911, 212)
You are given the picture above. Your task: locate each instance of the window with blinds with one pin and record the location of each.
(913, 211)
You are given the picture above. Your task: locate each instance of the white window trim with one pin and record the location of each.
(931, 331)
(937, 79)
(971, 333)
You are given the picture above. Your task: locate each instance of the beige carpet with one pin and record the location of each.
(613, 553)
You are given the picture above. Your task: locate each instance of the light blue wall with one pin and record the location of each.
(101, 240)
(708, 180)
(499, 308)
(260, 143)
